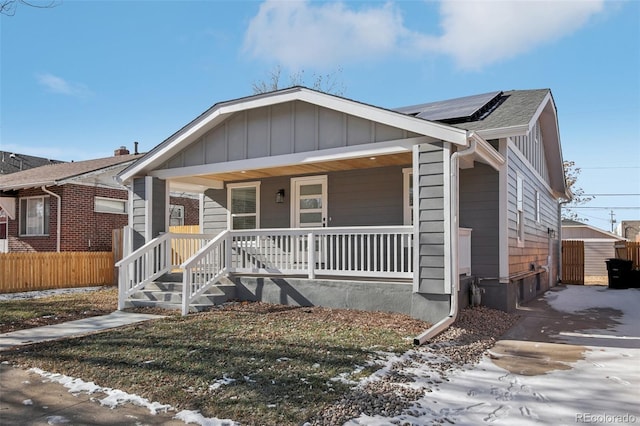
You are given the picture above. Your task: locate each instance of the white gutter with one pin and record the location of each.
(59, 215)
(445, 322)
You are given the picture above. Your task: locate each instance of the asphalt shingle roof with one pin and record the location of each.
(53, 174)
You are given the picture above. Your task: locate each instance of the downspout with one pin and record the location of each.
(58, 214)
(445, 322)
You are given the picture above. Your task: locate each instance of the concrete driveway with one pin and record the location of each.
(572, 358)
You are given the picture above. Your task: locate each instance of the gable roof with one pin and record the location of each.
(61, 173)
(222, 110)
(13, 162)
(586, 231)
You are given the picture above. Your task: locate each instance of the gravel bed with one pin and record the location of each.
(403, 380)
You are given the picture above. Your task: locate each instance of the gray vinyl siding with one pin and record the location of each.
(536, 237)
(159, 209)
(138, 215)
(366, 197)
(479, 210)
(431, 210)
(287, 128)
(214, 211)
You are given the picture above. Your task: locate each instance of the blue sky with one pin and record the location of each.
(82, 78)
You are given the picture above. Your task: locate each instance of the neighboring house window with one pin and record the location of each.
(407, 195)
(34, 216)
(537, 207)
(520, 210)
(243, 200)
(110, 205)
(176, 215)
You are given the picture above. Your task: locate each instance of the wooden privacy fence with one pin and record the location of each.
(629, 250)
(572, 262)
(41, 271)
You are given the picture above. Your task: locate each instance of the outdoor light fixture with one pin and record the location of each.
(551, 232)
(280, 196)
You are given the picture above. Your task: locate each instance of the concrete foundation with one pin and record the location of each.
(508, 296)
(348, 294)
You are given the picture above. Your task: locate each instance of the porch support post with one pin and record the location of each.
(311, 255)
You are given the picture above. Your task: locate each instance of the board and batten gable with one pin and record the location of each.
(280, 129)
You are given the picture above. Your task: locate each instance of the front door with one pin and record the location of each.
(309, 202)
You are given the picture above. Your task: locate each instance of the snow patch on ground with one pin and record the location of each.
(116, 397)
(46, 293)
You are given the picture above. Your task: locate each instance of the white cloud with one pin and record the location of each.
(477, 34)
(474, 33)
(299, 33)
(55, 84)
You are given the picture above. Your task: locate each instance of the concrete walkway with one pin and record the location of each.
(71, 328)
(26, 398)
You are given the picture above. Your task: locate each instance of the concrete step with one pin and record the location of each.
(169, 296)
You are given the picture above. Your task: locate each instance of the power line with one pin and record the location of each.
(605, 208)
(611, 195)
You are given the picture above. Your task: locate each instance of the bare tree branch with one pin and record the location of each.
(328, 83)
(8, 7)
(571, 174)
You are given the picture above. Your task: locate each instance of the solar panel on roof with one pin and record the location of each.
(452, 109)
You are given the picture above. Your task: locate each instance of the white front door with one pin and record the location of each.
(309, 202)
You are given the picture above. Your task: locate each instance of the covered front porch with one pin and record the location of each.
(378, 259)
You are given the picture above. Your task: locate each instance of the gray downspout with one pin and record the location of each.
(58, 214)
(445, 322)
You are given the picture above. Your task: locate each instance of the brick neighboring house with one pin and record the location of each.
(74, 206)
(65, 207)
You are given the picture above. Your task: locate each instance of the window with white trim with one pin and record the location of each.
(34, 216)
(407, 195)
(110, 205)
(243, 203)
(537, 207)
(176, 215)
(520, 210)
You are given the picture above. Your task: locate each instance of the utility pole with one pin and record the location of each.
(613, 219)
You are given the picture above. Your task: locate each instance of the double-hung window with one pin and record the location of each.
(243, 201)
(34, 216)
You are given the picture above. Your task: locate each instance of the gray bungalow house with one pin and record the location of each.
(313, 199)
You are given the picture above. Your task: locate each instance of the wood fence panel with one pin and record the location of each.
(572, 262)
(185, 229)
(42, 271)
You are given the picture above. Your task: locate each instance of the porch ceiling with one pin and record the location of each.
(400, 159)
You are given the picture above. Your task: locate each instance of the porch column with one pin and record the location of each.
(149, 206)
(432, 204)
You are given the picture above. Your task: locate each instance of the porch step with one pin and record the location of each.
(166, 293)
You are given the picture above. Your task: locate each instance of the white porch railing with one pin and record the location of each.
(154, 259)
(361, 252)
(382, 252)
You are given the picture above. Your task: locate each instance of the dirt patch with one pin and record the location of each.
(534, 358)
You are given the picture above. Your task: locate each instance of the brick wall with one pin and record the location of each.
(82, 228)
(191, 209)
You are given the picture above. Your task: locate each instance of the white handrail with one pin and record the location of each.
(204, 269)
(154, 259)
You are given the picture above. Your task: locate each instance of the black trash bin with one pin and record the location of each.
(619, 272)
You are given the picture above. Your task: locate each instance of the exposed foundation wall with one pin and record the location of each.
(361, 295)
